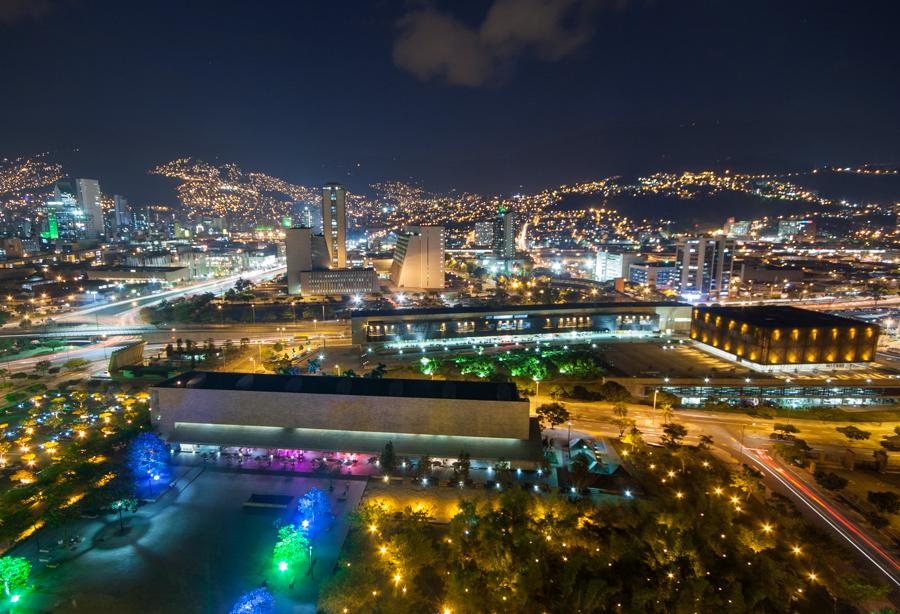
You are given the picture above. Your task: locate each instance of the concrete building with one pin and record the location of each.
(610, 265)
(419, 258)
(89, 195)
(484, 233)
(307, 215)
(503, 239)
(703, 266)
(309, 272)
(62, 218)
(121, 214)
(652, 274)
(334, 223)
(304, 251)
(359, 415)
(802, 230)
(578, 322)
(784, 338)
(330, 282)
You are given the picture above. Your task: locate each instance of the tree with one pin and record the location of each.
(75, 364)
(42, 366)
(463, 464)
(292, 547)
(148, 458)
(125, 504)
(673, 434)
(257, 601)
(746, 480)
(886, 502)
(706, 442)
(552, 414)
(784, 429)
(853, 434)
(14, 572)
(315, 511)
(388, 460)
(378, 372)
(830, 480)
(614, 392)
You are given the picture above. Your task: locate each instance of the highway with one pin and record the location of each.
(126, 313)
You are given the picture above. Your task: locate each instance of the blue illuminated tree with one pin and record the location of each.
(315, 511)
(148, 458)
(257, 601)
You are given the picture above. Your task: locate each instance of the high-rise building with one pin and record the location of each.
(652, 274)
(484, 233)
(503, 241)
(121, 213)
(304, 251)
(334, 223)
(62, 218)
(703, 266)
(805, 230)
(88, 193)
(610, 266)
(307, 215)
(419, 258)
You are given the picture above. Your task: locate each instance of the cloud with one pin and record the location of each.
(21, 10)
(434, 44)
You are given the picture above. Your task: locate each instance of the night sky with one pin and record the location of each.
(490, 96)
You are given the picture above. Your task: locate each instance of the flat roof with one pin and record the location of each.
(769, 316)
(427, 311)
(352, 386)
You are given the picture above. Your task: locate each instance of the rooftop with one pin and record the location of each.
(353, 386)
(437, 311)
(779, 315)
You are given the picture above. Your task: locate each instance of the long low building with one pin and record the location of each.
(461, 325)
(488, 420)
(779, 338)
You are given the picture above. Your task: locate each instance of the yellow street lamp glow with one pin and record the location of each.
(382, 550)
(796, 550)
(767, 528)
(718, 491)
(372, 528)
(812, 576)
(679, 495)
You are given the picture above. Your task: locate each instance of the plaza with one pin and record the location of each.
(197, 548)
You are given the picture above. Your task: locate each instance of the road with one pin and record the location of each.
(126, 313)
(745, 439)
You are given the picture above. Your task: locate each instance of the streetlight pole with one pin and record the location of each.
(569, 442)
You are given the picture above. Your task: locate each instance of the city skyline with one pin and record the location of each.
(633, 88)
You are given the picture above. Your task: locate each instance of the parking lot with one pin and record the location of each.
(660, 360)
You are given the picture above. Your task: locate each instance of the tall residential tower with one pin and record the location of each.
(334, 223)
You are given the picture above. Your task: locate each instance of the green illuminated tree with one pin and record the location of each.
(14, 572)
(291, 548)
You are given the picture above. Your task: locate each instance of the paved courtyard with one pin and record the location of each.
(194, 550)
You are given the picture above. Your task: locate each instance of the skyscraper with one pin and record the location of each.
(62, 216)
(419, 258)
(484, 233)
(307, 215)
(703, 266)
(88, 194)
(334, 223)
(503, 243)
(121, 213)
